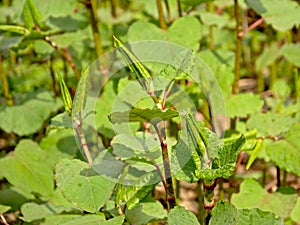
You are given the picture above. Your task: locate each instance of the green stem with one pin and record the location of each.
(171, 201)
(52, 73)
(5, 85)
(238, 55)
(297, 84)
(65, 55)
(80, 135)
(168, 10)
(114, 8)
(201, 213)
(179, 8)
(273, 74)
(238, 50)
(162, 21)
(278, 177)
(91, 6)
(210, 8)
(209, 198)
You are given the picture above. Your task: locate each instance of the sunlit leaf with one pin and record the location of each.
(82, 186)
(225, 213)
(179, 215)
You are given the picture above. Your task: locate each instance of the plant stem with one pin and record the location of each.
(114, 8)
(52, 73)
(5, 85)
(297, 84)
(91, 6)
(238, 50)
(65, 55)
(209, 198)
(179, 8)
(162, 21)
(80, 135)
(201, 213)
(168, 177)
(238, 55)
(210, 8)
(278, 176)
(168, 10)
(251, 27)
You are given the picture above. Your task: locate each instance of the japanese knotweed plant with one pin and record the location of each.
(198, 155)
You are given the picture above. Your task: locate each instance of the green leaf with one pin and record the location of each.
(281, 203)
(243, 105)
(270, 123)
(59, 144)
(268, 57)
(295, 214)
(65, 94)
(119, 220)
(27, 169)
(285, 153)
(275, 14)
(290, 51)
(82, 186)
(142, 146)
(14, 197)
(184, 31)
(136, 191)
(226, 214)
(221, 62)
(35, 14)
(255, 153)
(211, 19)
(194, 2)
(28, 117)
(4, 209)
(186, 163)
(179, 215)
(60, 219)
(15, 29)
(87, 219)
(62, 120)
(140, 73)
(32, 211)
(180, 68)
(153, 116)
(81, 93)
(147, 211)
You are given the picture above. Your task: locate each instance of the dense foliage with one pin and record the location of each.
(205, 92)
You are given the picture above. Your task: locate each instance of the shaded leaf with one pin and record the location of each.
(153, 116)
(59, 144)
(32, 211)
(28, 117)
(26, 169)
